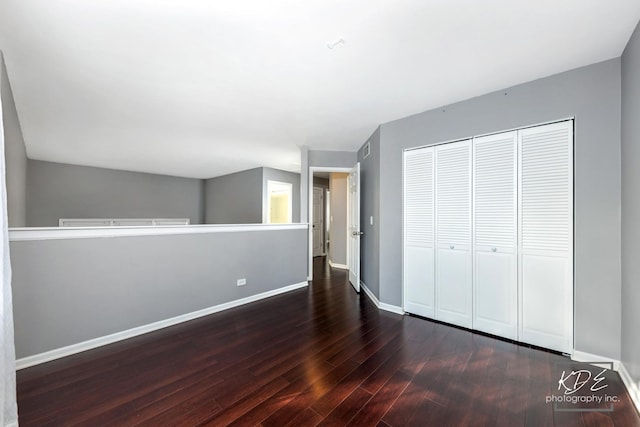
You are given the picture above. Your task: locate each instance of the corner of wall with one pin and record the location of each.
(15, 153)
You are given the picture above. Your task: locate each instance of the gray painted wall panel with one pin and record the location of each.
(592, 94)
(235, 198)
(270, 174)
(59, 190)
(338, 185)
(15, 154)
(324, 184)
(69, 291)
(370, 206)
(631, 206)
(336, 159)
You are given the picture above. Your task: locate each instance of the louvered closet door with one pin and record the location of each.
(419, 297)
(546, 236)
(495, 303)
(453, 233)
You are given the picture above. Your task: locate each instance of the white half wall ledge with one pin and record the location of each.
(58, 353)
(381, 305)
(64, 233)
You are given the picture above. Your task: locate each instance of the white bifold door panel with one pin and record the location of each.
(546, 236)
(419, 241)
(495, 302)
(453, 233)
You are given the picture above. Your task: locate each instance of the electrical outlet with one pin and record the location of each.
(242, 282)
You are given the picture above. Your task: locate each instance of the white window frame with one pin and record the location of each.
(273, 186)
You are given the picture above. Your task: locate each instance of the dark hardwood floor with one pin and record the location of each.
(317, 356)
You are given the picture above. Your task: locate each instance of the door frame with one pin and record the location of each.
(313, 169)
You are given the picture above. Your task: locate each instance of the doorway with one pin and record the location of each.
(339, 213)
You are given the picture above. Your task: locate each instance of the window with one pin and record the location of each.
(279, 203)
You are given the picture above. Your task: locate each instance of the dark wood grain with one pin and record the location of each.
(318, 356)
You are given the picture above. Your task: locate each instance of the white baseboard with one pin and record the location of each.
(594, 359)
(391, 308)
(377, 303)
(632, 387)
(58, 353)
(370, 294)
(340, 266)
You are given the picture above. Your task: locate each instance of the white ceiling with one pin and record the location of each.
(201, 88)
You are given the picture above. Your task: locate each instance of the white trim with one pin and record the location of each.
(341, 266)
(632, 387)
(391, 308)
(594, 359)
(370, 294)
(381, 305)
(58, 353)
(57, 233)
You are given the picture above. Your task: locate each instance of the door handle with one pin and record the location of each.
(357, 233)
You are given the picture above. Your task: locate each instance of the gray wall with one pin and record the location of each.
(370, 207)
(324, 184)
(304, 185)
(315, 158)
(270, 174)
(336, 159)
(68, 291)
(59, 190)
(631, 206)
(593, 95)
(235, 198)
(338, 185)
(15, 154)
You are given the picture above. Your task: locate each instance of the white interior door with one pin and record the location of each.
(419, 241)
(354, 227)
(453, 233)
(495, 302)
(318, 221)
(545, 249)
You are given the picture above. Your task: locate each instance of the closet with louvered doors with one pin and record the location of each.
(488, 238)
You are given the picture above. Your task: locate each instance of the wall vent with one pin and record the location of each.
(366, 150)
